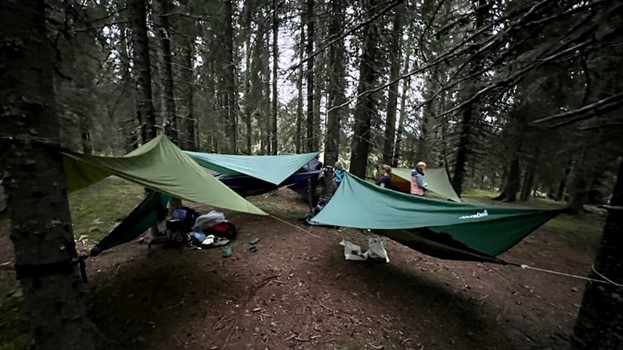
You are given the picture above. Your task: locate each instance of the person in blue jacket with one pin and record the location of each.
(418, 186)
(338, 174)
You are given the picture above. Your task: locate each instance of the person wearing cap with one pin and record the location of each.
(386, 173)
(418, 186)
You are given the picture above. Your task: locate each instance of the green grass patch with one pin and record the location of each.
(14, 333)
(285, 204)
(486, 197)
(94, 210)
(585, 226)
(476, 192)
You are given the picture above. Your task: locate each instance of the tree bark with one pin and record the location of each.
(578, 191)
(140, 50)
(562, 186)
(85, 135)
(167, 92)
(249, 106)
(513, 182)
(257, 95)
(366, 106)
(392, 99)
(336, 86)
(227, 88)
(34, 180)
(298, 137)
(309, 49)
(528, 182)
(266, 110)
(600, 321)
(403, 101)
(468, 118)
(318, 88)
(275, 99)
(187, 57)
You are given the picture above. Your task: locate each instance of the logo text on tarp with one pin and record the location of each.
(475, 216)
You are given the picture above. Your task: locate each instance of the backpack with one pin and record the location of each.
(178, 225)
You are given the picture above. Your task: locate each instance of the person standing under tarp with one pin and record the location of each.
(338, 174)
(386, 175)
(418, 186)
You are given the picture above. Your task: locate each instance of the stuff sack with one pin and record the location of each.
(203, 222)
(224, 229)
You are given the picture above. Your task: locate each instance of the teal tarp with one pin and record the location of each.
(488, 230)
(274, 169)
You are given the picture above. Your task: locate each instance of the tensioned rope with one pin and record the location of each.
(604, 279)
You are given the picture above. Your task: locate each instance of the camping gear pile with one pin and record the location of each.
(185, 227)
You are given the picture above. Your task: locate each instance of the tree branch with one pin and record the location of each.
(602, 106)
(393, 4)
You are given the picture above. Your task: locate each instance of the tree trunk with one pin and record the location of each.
(392, 99)
(188, 79)
(366, 106)
(227, 90)
(578, 191)
(513, 182)
(336, 84)
(528, 182)
(298, 137)
(34, 180)
(167, 92)
(463, 148)
(142, 68)
(468, 118)
(128, 122)
(600, 321)
(266, 88)
(85, 135)
(403, 99)
(275, 99)
(318, 88)
(309, 49)
(560, 193)
(249, 105)
(256, 96)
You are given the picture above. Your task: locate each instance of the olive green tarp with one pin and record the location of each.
(274, 169)
(436, 227)
(436, 178)
(161, 166)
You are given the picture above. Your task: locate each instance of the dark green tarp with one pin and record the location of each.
(149, 212)
(481, 232)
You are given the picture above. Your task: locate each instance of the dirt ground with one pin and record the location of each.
(298, 292)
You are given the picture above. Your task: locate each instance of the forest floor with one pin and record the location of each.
(298, 292)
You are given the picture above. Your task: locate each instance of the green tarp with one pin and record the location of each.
(149, 212)
(436, 178)
(161, 166)
(484, 231)
(273, 169)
